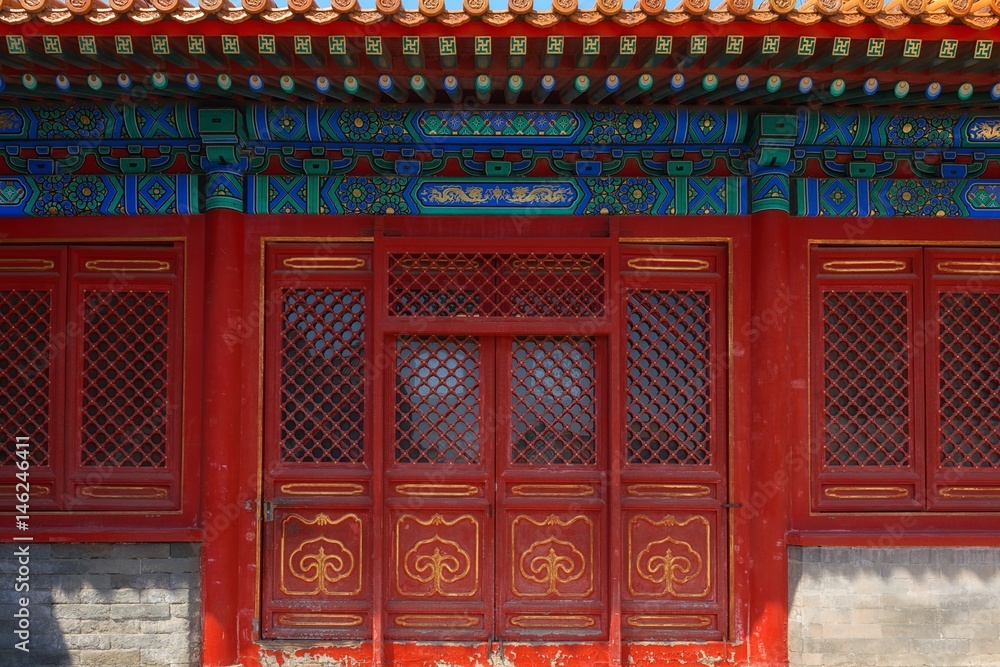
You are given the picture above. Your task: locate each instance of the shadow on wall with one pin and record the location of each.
(906, 607)
(104, 604)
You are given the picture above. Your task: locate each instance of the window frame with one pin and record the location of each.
(170, 518)
(808, 526)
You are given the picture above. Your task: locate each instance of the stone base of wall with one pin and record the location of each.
(898, 607)
(103, 605)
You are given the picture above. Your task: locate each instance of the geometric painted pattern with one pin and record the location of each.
(103, 194)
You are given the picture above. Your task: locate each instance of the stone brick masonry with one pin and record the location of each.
(104, 605)
(895, 607)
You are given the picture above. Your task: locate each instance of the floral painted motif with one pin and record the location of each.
(80, 120)
(66, 195)
(374, 124)
(923, 130)
(360, 194)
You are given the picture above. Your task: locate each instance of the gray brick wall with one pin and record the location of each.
(104, 605)
(895, 607)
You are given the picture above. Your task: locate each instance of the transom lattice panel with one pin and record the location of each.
(323, 376)
(438, 400)
(553, 401)
(522, 285)
(867, 393)
(969, 380)
(668, 376)
(25, 339)
(125, 384)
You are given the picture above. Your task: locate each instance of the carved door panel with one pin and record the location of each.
(551, 457)
(318, 554)
(439, 483)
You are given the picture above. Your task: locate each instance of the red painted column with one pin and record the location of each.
(220, 436)
(767, 506)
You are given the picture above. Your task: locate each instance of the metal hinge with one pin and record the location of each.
(267, 511)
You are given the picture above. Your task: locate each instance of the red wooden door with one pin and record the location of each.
(495, 487)
(453, 438)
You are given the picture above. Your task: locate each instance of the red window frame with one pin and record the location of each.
(145, 486)
(888, 351)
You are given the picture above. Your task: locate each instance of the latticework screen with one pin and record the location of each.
(125, 410)
(867, 383)
(323, 376)
(438, 400)
(668, 377)
(25, 340)
(553, 401)
(969, 380)
(499, 285)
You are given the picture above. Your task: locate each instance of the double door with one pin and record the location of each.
(537, 454)
(495, 487)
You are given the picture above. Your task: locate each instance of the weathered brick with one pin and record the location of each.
(107, 658)
(894, 607)
(140, 611)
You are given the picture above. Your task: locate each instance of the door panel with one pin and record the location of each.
(552, 455)
(440, 488)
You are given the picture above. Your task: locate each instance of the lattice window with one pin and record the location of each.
(522, 285)
(668, 376)
(125, 385)
(867, 393)
(437, 400)
(969, 380)
(25, 339)
(323, 376)
(553, 411)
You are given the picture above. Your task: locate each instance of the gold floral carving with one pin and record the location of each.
(321, 562)
(437, 562)
(446, 564)
(552, 621)
(550, 561)
(654, 621)
(670, 562)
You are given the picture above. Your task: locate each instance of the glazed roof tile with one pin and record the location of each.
(891, 14)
